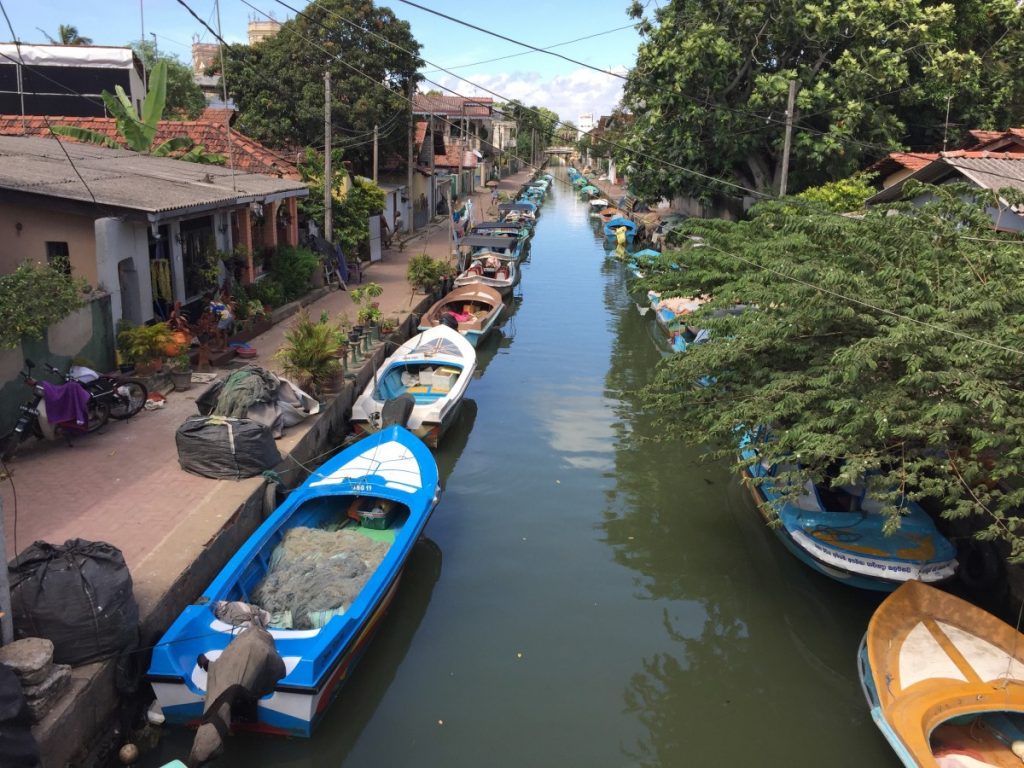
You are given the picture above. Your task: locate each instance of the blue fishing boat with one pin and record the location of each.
(590, 191)
(612, 226)
(374, 499)
(838, 531)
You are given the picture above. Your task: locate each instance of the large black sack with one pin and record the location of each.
(215, 446)
(18, 748)
(79, 596)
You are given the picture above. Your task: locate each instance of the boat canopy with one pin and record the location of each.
(526, 207)
(488, 241)
(495, 225)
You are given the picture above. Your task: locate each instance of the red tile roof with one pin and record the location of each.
(983, 155)
(210, 130)
(460, 106)
(453, 151)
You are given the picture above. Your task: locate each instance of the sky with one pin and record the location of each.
(537, 79)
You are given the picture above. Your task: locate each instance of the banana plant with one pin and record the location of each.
(138, 132)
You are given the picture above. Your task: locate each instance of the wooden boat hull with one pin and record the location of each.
(392, 465)
(482, 320)
(943, 678)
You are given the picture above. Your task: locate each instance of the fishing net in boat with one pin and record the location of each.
(314, 574)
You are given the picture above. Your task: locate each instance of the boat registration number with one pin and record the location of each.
(361, 487)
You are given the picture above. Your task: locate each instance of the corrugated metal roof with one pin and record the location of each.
(989, 171)
(123, 179)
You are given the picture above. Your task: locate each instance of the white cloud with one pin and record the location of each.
(580, 91)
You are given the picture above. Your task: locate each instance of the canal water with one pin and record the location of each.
(586, 595)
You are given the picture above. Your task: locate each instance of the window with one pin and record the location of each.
(58, 256)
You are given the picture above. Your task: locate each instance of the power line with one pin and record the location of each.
(527, 53)
(512, 40)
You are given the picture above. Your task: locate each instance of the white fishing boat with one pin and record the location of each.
(433, 368)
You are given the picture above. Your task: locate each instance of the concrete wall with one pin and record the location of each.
(122, 265)
(25, 230)
(87, 334)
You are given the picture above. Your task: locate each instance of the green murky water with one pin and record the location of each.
(587, 598)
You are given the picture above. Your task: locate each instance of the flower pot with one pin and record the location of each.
(182, 380)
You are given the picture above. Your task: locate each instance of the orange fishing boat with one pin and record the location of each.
(944, 680)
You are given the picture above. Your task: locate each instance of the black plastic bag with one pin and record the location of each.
(214, 446)
(79, 596)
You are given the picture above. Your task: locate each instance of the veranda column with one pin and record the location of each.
(245, 240)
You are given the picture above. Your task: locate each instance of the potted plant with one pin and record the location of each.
(388, 325)
(424, 272)
(145, 345)
(369, 312)
(308, 355)
(181, 371)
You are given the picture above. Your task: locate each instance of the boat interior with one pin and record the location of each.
(489, 265)
(426, 381)
(311, 548)
(471, 314)
(979, 741)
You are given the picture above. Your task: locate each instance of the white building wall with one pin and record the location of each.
(117, 240)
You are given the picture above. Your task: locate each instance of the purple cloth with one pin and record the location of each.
(66, 402)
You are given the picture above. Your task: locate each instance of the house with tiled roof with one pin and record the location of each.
(989, 170)
(145, 229)
(212, 130)
(462, 128)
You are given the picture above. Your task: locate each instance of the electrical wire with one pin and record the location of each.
(527, 53)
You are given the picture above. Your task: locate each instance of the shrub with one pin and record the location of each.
(308, 355)
(268, 292)
(426, 273)
(293, 268)
(33, 297)
(142, 343)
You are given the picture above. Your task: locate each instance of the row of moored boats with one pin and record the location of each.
(319, 573)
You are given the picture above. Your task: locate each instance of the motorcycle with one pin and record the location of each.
(125, 397)
(108, 398)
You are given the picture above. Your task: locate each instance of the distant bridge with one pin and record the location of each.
(560, 151)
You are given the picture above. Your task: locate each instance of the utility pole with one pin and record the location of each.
(328, 175)
(433, 184)
(375, 154)
(6, 612)
(411, 168)
(533, 147)
(790, 107)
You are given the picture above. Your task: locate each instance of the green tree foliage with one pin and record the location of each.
(535, 124)
(841, 196)
(355, 200)
(32, 298)
(139, 132)
(67, 34)
(917, 374)
(279, 89)
(184, 97)
(710, 85)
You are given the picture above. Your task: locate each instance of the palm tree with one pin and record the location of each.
(67, 34)
(137, 132)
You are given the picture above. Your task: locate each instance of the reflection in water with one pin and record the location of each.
(454, 442)
(360, 696)
(755, 645)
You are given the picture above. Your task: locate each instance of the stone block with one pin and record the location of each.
(30, 658)
(41, 697)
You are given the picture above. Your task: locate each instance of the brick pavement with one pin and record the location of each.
(123, 485)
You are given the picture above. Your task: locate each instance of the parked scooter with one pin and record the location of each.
(33, 419)
(125, 397)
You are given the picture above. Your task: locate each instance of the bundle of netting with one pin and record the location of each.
(315, 574)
